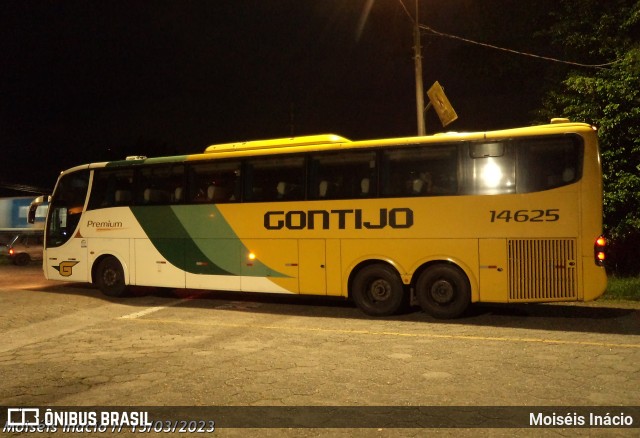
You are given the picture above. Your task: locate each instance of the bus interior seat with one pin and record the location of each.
(177, 194)
(568, 175)
(365, 184)
(323, 188)
(217, 193)
(281, 189)
(154, 196)
(122, 197)
(213, 193)
(416, 186)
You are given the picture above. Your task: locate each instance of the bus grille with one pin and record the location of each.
(542, 270)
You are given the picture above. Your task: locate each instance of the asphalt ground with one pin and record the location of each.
(65, 344)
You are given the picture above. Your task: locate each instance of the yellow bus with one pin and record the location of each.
(439, 221)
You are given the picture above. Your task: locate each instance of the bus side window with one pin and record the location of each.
(214, 182)
(420, 171)
(157, 184)
(490, 169)
(111, 188)
(275, 179)
(343, 175)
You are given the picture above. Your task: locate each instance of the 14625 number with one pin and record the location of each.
(550, 215)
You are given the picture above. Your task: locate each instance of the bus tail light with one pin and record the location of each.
(599, 253)
(11, 251)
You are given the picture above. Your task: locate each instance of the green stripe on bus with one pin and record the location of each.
(197, 239)
(215, 238)
(172, 240)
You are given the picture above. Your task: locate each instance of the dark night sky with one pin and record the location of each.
(84, 81)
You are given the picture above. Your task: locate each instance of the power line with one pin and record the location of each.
(491, 46)
(406, 11)
(517, 52)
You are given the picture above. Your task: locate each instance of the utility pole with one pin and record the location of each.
(417, 48)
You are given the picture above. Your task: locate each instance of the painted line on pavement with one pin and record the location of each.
(150, 310)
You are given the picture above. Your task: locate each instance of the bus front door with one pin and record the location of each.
(68, 262)
(312, 272)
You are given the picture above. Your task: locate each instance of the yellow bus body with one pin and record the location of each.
(535, 246)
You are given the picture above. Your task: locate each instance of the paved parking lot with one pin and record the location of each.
(65, 344)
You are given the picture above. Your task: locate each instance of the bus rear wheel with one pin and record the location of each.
(443, 291)
(110, 277)
(378, 290)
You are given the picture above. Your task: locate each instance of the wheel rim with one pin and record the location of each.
(442, 292)
(380, 290)
(110, 277)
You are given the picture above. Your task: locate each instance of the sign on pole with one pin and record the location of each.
(441, 104)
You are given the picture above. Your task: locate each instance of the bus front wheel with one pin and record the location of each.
(378, 290)
(110, 277)
(443, 291)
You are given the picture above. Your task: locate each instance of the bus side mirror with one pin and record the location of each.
(31, 217)
(33, 207)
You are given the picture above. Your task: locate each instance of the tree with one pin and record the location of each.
(608, 97)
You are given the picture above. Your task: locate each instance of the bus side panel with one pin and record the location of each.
(113, 231)
(333, 268)
(594, 280)
(270, 265)
(312, 272)
(215, 255)
(153, 269)
(493, 270)
(213, 282)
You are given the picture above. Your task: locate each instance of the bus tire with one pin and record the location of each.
(378, 290)
(110, 277)
(443, 291)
